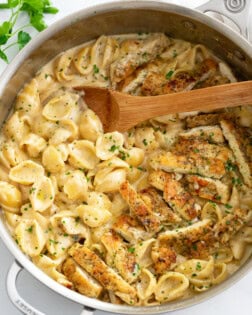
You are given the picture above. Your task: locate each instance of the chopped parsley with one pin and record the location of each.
(237, 181)
(229, 166)
(96, 69)
(198, 266)
(169, 74)
(145, 142)
(131, 250)
(30, 229)
(228, 206)
(113, 148)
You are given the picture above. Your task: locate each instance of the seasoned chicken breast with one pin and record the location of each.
(104, 274)
(147, 50)
(207, 188)
(119, 257)
(139, 209)
(81, 280)
(240, 141)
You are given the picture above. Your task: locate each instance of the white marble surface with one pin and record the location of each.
(235, 300)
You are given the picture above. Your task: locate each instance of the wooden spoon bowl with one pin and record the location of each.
(120, 111)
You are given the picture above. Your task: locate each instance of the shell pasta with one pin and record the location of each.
(158, 213)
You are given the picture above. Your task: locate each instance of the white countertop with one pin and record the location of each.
(235, 300)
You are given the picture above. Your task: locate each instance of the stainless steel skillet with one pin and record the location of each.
(115, 18)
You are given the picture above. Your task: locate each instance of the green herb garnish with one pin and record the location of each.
(35, 9)
(96, 69)
(169, 74)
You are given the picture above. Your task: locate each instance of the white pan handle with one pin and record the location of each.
(18, 301)
(87, 311)
(236, 10)
(14, 296)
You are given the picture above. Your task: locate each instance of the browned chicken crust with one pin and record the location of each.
(148, 49)
(155, 201)
(240, 141)
(105, 275)
(206, 119)
(207, 188)
(157, 83)
(163, 257)
(119, 257)
(139, 209)
(81, 280)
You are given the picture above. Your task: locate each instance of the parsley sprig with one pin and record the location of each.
(35, 10)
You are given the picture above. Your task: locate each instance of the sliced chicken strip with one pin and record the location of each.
(147, 50)
(81, 280)
(158, 83)
(163, 257)
(191, 233)
(240, 141)
(213, 134)
(107, 277)
(152, 198)
(139, 209)
(130, 229)
(119, 257)
(174, 194)
(206, 119)
(207, 188)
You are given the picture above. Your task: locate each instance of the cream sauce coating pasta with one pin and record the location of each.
(159, 213)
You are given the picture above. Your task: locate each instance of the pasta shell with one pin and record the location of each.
(70, 223)
(16, 128)
(49, 266)
(82, 154)
(146, 284)
(30, 237)
(145, 138)
(57, 244)
(93, 216)
(64, 150)
(10, 197)
(60, 107)
(52, 160)
(113, 163)
(143, 253)
(109, 145)
(90, 125)
(109, 181)
(134, 156)
(12, 220)
(28, 101)
(82, 61)
(171, 286)
(220, 273)
(34, 144)
(29, 214)
(63, 68)
(196, 269)
(99, 200)
(211, 211)
(42, 194)
(223, 255)
(11, 155)
(4, 174)
(76, 186)
(26, 172)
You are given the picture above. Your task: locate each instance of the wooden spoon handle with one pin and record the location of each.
(133, 110)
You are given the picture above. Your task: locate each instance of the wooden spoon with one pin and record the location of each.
(120, 111)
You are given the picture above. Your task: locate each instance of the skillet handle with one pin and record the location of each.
(18, 301)
(13, 294)
(87, 311)
(237, 11)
